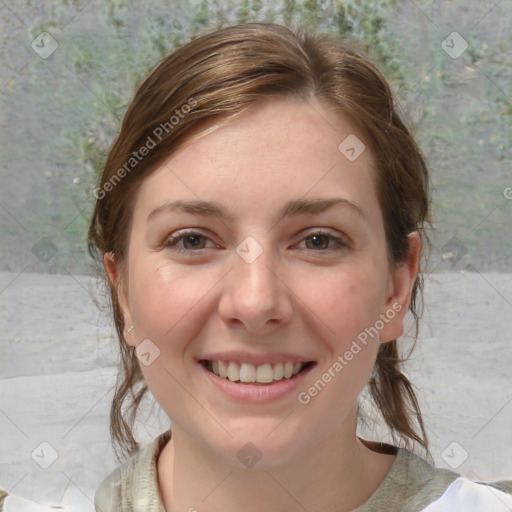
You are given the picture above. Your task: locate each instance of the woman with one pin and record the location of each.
(261, 220)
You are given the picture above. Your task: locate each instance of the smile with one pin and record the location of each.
(266, 373)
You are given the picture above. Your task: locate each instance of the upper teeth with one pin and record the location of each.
(247, 372)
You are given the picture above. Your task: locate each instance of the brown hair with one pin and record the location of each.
(223, 73)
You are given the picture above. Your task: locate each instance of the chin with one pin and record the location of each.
(260, 445)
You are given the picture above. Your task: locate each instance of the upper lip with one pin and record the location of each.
(255, 359)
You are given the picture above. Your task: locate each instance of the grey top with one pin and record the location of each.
(411, 485)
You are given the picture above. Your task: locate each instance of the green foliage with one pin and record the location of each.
(115, 55)
(107, 48)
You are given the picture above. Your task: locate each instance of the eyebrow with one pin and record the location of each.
(291, 208)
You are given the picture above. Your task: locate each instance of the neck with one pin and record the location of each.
(338, 474)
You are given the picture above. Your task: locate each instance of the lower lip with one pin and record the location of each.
(256, 392)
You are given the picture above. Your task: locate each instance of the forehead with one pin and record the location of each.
(276, 150)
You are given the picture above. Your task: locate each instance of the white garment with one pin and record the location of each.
(463, 495)
(16, 504)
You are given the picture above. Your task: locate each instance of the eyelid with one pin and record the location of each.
(173, 239)
(341, 240)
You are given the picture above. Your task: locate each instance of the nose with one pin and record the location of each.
(256, 296)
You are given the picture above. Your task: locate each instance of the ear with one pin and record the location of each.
(401, 283)
(114, 276)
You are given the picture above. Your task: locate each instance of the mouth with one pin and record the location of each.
(263, 374)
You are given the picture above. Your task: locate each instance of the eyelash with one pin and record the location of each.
(173, 240)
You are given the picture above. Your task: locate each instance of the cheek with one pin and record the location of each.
(161, 297)
(349, 306)
(168, 308)
(347, 302)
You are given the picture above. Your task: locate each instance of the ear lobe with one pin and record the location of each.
(401, 283)
(114, 276)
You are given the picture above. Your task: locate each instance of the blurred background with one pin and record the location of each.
(69, 69)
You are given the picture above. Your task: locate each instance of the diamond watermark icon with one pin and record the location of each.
(44, 455)
(454, 455)
(249, 455)
(44, 249)
(147, 352)
(351, 147)
(44, 45)
(453, 250)
(249, 250)
(454, 45)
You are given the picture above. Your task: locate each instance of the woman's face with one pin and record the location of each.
(293, 271)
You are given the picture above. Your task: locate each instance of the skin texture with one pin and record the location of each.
(304, 296)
